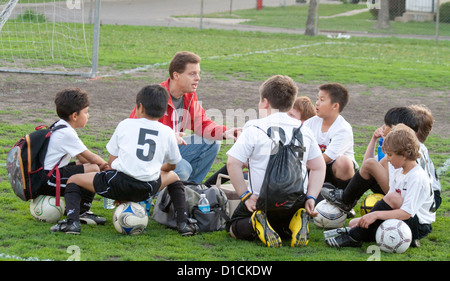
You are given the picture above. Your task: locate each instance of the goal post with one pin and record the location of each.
(49, 36)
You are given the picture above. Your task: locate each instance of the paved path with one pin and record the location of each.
(161, 12)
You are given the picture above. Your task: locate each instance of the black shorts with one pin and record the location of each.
(418, 230)
(329, 176)
(65, 173)
(119, 186)
(279, 220)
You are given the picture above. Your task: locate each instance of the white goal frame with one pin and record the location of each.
(91, 73)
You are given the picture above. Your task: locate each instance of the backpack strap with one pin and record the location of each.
(56, 167)
(297, 135)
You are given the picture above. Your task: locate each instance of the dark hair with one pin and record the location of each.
(180, 60)
(337, 93)
(280, 91)
(154, 99)
(70, 100)
(401, 114)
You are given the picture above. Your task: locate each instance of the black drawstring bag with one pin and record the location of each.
(283, 182)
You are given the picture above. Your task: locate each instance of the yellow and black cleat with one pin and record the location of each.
(299, 228)
(265, 232)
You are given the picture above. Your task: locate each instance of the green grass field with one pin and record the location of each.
(254, 56)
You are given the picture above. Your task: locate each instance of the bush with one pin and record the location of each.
(396, 9)
(31, 16)
(444, 12)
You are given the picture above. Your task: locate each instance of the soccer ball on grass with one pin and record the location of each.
(130, 218)
(370, 201)
(43, 208)
(393, 236)
(329, 216)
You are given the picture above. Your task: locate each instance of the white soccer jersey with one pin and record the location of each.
(337, 141)
(63, 143)
(416, 191)
(254, 145)
(142, 146)
(425, 162)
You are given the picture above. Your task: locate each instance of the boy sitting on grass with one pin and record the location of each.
(334, 134)
(410, 197)
(143, 154)
(253, 146)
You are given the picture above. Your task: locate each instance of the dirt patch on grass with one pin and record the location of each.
(112, 99)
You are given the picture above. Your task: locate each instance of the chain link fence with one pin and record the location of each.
(414, 18)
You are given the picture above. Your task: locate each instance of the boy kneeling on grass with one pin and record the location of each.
(410, 197)
(143, 155)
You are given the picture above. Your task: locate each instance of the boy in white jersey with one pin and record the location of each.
(277, 95)
(426, 120)
(410, 197)
(334, 134)
(373, 174)
(72, 106)
(143, 154)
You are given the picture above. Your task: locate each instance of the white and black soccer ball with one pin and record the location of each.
(130, 218)
(393, 236)
(329, 216)
(43, 208)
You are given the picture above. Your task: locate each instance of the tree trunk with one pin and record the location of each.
(310, 21)
(383, 15)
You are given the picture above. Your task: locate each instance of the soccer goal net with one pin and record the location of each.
(48, 36)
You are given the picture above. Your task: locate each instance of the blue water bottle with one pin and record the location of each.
(380, 151)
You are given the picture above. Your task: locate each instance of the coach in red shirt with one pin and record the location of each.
(184, 112)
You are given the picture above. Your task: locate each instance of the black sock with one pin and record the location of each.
(72, 196)
(177, 194)
(86, 200)
(356, 188)
(342, 184)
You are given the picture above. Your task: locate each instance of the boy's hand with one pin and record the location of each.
(251, 203)
(378, 133)
(104, 167)
(367, 220)
(309, 207)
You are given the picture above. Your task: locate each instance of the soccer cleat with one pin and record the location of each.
(188, 227)
(91, 218)
(299, 228)
(264, 231)
(335, 197)
(343, 240)
(335, 232)
(63, 226)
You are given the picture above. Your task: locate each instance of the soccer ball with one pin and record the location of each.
(329, 216)
(393, 236)
(43, 208)
(130, 218)
(370, 201)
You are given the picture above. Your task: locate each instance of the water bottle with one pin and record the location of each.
(380, 151)
(108, 203)
(147, 205)
(203, 204)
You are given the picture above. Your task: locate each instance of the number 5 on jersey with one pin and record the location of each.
(146, 153)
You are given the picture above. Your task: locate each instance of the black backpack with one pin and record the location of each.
(25, 163)
(283, 181)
